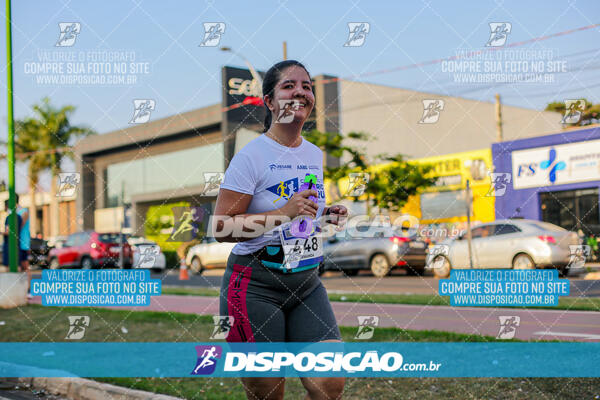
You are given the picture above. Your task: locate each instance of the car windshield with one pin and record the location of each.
(545, 226)
(109, 237)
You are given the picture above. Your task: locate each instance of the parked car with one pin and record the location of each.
(209, 254)
(147, 254)
(38, 256)
(380, 254)
(518, 244)
(90, 249)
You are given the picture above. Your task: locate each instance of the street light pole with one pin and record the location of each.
(255, 75)
(12, 237)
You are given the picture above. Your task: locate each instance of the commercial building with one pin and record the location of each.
(553, 178)
(127, 171)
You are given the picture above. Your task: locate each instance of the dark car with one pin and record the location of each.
(380, 254)
(90, 249)
(39, 252)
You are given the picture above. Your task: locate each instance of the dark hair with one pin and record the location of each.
(270, 80)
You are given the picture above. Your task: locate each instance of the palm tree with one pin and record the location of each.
(45, 140)
(58, 135)
(29, 146)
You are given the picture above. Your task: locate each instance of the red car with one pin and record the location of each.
(90, 250)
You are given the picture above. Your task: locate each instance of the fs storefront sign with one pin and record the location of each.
(556, 165)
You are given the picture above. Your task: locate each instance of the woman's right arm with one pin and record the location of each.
(232, 224)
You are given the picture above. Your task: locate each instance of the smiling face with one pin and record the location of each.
(293, 86)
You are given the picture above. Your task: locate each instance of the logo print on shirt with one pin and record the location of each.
(284, 189)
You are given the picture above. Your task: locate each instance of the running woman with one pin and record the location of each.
(270, 298)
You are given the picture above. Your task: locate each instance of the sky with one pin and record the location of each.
(163, 40)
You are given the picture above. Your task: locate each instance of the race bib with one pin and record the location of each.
(299, 251)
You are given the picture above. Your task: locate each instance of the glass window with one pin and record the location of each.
(71, 240)
(109, 237)
(482, 231)
(173, 170)
(505, 229)
(439, 205)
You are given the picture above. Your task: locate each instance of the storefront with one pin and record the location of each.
(554, 178)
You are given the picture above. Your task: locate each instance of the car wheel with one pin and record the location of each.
(351, 272)
(441, 267)
(380, 266)
(196, 266)
(563, 270)
(523, 261)
(86, 263)
(54, 263)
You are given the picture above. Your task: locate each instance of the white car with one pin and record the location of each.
(208, 255)
(147, 254)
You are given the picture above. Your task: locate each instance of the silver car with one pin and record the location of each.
(511, 243)
(379, 254)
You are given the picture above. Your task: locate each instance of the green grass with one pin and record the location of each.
(24, 324)
(564, 303)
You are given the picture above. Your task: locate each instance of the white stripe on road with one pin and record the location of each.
(581, 335)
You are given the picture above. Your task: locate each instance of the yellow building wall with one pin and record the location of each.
(457, 168)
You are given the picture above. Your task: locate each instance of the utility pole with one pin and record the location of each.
(469, 238)
(499, 135)
(12, 238)
(284, 50)
(121, 239)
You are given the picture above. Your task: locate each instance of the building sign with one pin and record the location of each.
(242, 91)
(556, 165)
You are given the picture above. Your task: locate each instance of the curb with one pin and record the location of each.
(86, 389)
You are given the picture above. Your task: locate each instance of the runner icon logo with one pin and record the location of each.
(431, 111)
(366, 326)
(579, 254)
(77, 325)
(286, 111)
(142, 108)
(68, 33)
(499, 183)
(357, 184)
(573, 110)
(207, 359)
(67, 183)
(223, 324)
(358, 33)
(508, 326)
(439, 250)
(498, 33)
(148, 255)
(212, 33)
(212, 182)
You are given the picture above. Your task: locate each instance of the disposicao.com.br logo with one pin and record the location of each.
(340, 362)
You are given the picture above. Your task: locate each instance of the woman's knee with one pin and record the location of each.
(324, 388)
(264, 388)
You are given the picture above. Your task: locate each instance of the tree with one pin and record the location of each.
(55, 136)
(388, 187)
(29, 146)
(589, 115)
(391, 186)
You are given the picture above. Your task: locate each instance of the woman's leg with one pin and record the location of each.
(264, 388)
(256, 319)
(313, 321)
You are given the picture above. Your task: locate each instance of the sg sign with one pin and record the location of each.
(245, 87)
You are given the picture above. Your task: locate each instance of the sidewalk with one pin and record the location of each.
(536, 324)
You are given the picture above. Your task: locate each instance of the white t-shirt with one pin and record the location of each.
(264, 169)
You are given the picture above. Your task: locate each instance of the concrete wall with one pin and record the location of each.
(392, 116)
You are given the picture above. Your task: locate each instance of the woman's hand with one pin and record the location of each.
(337, 215)
(299, 204)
